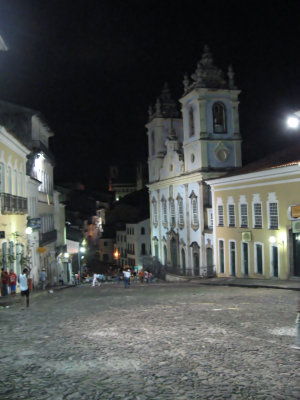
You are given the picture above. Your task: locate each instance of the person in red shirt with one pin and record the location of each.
(4, 282)
(12, 282)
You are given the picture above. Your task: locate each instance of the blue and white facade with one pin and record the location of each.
(185, 149)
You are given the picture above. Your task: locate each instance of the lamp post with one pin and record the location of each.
(81, 250)
(293, 120)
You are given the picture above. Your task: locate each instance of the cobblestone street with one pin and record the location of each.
(162, 341)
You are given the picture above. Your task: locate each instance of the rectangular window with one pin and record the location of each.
(155, 212)
(231, 215)
(257, 211)
(195, 220)
(180, 211)
(165, 218)
(232, 258)
(172, 212)
(273, 216)
(221, 256)
(220, 215)
(244, 215)
(258, 258)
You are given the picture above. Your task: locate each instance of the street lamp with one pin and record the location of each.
(293, 121)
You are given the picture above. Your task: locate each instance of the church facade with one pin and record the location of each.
(185, 148)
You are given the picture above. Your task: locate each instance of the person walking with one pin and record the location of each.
(95, 280)
(12, 282)
(126, 278)
(24, 287)
(43, 277)
(4, 282)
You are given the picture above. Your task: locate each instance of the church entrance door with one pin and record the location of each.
(174, 253)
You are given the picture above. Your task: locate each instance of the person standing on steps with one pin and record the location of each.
(24, 288)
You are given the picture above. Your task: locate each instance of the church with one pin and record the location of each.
(186, 148)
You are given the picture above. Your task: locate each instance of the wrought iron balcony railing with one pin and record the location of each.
(13, 204)
(48, 237)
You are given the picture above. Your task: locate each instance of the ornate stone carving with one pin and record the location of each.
(207, 75)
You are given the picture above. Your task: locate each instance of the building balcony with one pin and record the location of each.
(131, 252)
(48, 237)
(13, 204)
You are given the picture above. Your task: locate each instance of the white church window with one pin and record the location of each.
(172, 213)
(180, 212)
(191, 122)
(164, 212)
(194, 208)
(219, 117)
(154, 211)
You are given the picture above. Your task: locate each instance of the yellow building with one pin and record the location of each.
(256, 223)
(13, 201)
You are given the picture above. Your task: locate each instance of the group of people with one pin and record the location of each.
(127, 276)
(9, 282)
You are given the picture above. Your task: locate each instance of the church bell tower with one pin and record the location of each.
(212, 140)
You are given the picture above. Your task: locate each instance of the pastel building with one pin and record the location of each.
(257, 219)
(13, 202)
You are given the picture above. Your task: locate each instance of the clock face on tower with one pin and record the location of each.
(221, 152)
(222, 155)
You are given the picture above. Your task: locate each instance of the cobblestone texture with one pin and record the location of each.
(159, 342)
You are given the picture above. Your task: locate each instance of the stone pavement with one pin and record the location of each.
(290, 284)
(151, 342)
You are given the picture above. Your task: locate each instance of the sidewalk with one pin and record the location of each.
(10, 300)
(289, 284)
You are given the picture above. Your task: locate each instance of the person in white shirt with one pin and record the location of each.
(95, 280)
(127, 275)
(24, 287)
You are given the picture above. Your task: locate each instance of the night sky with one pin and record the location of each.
(93, 67)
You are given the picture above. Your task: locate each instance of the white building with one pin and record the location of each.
(29, 127)
(184, 150)
(138, 242)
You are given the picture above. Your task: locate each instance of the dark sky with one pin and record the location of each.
(93, 67)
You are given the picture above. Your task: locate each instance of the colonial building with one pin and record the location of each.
(31, 130)
(257, 225)
(13, 202)
(186, 149)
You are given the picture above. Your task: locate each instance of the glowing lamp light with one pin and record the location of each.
(66, 255)
(272, 239)
(116, 254)
(28, 230)
(293, 122)
(82, 249)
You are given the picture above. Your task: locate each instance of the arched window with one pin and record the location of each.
(142, 230)
(191, 122)
(9, 180)
(219, 117)
(172, 213)
(16, 182)
(152, 143)
(164, 212)
(180, 212)
(143, 249)
(2, 178)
